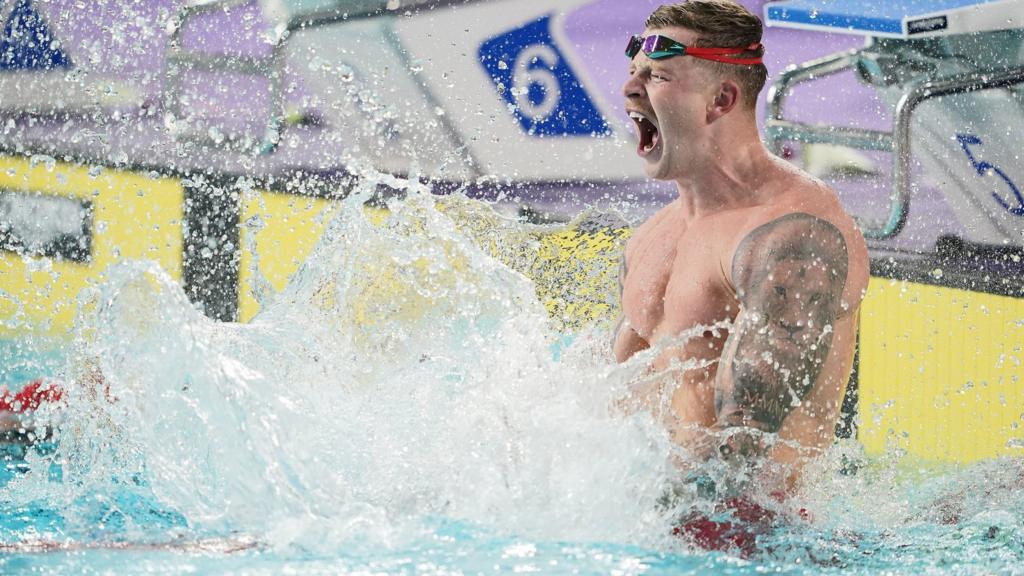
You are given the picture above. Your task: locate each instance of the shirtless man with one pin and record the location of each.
(751, 240)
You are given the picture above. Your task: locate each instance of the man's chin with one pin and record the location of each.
(657, 170)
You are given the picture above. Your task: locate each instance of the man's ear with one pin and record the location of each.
(727, 98)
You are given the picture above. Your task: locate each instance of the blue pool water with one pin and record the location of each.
(96, 527)
(399, 409)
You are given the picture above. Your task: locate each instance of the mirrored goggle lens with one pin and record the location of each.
(654, 46)
(635, 43)
(661, 47)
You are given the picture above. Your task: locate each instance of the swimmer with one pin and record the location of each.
(751, 241)
(17, 409)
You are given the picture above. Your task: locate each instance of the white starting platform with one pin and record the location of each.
(952, 73)
(898, 18)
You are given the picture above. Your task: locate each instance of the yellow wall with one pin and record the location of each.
(134, 217)
(940, 372)
(940, 368)
(286, 228)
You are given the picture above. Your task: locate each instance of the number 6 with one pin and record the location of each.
(525, 76)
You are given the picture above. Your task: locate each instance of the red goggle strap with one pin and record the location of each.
(724, 54)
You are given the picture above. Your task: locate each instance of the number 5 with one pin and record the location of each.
(968, 140)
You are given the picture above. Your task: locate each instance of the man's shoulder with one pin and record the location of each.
(797, 197)
(796, 214)
(818, 231)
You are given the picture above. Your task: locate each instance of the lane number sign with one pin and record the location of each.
(1012, 202)
(541, 89)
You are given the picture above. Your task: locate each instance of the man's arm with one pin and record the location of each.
(789, 276)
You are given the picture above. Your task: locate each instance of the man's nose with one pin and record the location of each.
(792, 325)
(634, 87)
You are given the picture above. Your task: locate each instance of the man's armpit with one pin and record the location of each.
(623, 270)
(789, 274)
(622, 287)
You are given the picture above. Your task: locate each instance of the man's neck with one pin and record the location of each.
(731, 175)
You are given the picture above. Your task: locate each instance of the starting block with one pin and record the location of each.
(945, 51)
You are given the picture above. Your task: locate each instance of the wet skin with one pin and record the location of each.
(751, 241)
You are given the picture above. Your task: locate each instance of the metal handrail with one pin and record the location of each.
(779, 90)
(960, 84)
(270, 67)
(786, 130)
(779, 130)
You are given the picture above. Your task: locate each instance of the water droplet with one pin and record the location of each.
(46, 160)
(317, 64)
(42, 264)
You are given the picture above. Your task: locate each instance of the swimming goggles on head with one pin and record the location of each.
(658, 47)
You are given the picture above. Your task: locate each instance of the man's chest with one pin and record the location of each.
(673, 284)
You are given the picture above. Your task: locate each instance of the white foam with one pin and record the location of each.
(402, 375)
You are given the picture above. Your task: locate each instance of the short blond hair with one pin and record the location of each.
(720, 24)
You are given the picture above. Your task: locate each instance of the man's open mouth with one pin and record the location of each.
(647, 131)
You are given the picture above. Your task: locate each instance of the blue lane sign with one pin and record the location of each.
(27, 43)
(543, 92)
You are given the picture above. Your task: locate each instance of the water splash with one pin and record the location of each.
(404, 374)
(404, 388)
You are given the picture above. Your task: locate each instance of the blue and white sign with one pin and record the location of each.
(1009, 199)
(27, 43)
(541, 88)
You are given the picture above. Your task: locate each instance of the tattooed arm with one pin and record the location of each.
(789, 276)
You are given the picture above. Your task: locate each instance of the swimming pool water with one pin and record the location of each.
(458, 435)
(989, 542)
